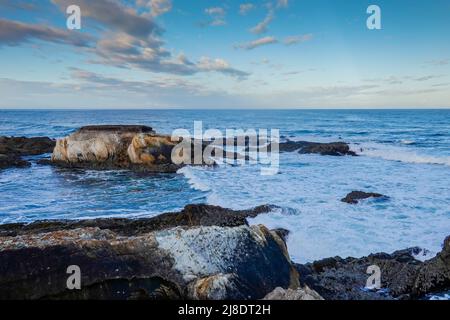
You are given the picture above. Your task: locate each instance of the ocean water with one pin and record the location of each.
(405, 154)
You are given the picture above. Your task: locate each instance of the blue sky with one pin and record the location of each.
(224, 54)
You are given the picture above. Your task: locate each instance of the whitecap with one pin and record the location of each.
(393, 153)
(193, 180)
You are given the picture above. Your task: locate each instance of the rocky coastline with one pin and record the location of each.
(200, 252)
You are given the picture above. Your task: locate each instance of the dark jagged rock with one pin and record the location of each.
(282, 233)
(145, 258)
(354, 196)
(119, 128)
(191, 216)
(12, 161)
(402, 276)
(13, 148)
(326, 149)
(26, 146)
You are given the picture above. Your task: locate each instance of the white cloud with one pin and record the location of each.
(244, 8)
(257, 43)
(263, 25)
(157, 7)
(217, 14)
(282, 3)
(297, 39)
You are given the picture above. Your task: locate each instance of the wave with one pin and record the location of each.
(193, 180)
(407, 142)
(393, 153)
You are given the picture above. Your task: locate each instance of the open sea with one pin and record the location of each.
(405, 154)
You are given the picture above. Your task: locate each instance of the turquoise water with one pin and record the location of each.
(405, 155)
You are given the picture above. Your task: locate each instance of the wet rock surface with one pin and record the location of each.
(205, 258)
(126, 147)
(354, 196)
(12, 149)
(326, 149)
(402, 276)
(191, 216)
(304, 293)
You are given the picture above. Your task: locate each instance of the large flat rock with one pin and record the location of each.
(161, 261)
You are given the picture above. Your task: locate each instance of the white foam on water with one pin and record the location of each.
(194, 181)
(394, 153)
(424, 255)
(308, 190)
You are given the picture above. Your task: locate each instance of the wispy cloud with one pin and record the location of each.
(428, 77)
(115, 17)
(262, 26)
(290, 40)
(157, 7)
(282, 3)
(439, 62)
(257, 43)
(13, 33)
(217, 14)
(244, 8)
(220, 65)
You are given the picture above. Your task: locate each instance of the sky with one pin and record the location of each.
(225, 54)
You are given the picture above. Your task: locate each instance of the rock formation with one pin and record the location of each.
(151, 258)
(402, 276)
(13, 148)
(124, 147)
(354, 196)
(325, 149)
(304, 293)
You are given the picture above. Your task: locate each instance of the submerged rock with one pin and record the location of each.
(328, 149)
(146, 258)
(402, 276)
(354, 196)
(13, 148)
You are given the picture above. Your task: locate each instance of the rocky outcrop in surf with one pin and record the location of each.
(126, 147)
(202, 252)
(354, 196)
(402, 276)
(12, 149)
(325, 149)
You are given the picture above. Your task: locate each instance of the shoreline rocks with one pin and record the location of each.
(222, 259)
(325, 149)
(12, 149)
(402, 276)
(354, 196)
(201, 252)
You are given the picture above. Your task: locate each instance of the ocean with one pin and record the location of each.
(405, 154)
